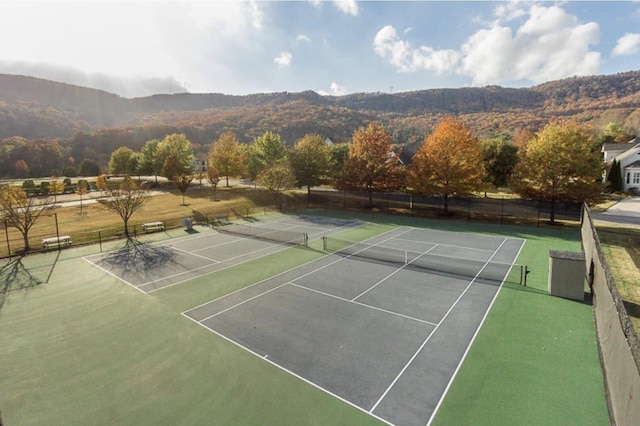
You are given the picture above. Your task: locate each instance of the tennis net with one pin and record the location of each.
(464, 267)
(268, 234)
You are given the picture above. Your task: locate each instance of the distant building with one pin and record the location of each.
(628, 156)
(200, 163)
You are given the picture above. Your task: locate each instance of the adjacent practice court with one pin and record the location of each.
(151, 267)
(382, 334)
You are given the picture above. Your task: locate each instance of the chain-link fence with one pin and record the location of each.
(53, 232)
(493, 209)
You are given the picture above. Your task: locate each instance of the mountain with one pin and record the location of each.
(40, 109)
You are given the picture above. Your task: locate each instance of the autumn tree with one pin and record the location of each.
(182, 182)
(172, 167)
(448, 163)
(339, 152)
(499, 157)
(266, 151)
(277, 179)
(147, 164)
(311, 162)
(122, 161)
(562, 163)
(521, 138)
(82, 190)
(21, 169)
(21, 211)
(371, 164)
(174, 156)
(213, 176)
(55, 187)
(101, 184)
(226, 156)
(126, 199)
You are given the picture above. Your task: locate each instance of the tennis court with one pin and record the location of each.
(373, 324)
(151, 267)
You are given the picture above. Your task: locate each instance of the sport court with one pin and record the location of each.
(382, 334)
(151, 267)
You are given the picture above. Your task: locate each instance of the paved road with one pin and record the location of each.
(625, 212)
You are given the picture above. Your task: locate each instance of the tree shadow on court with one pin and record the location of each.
(14, 276)
(136, 255)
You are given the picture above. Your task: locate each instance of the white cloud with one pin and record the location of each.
(405, 58)
(627, 45)
(549, 45)
(348, 7)
(303, 38)
(284, 60)
(336, 90)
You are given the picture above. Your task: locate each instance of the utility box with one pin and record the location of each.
(566, 274)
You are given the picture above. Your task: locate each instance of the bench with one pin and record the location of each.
(221, 220)
(63, 241)
(153, 226)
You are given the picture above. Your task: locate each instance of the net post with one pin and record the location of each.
(324, 243)
(526, 272)
(306, 239)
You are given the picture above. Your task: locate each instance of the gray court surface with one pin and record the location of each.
(151, 267)
(384, 338)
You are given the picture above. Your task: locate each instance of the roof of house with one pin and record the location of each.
(635, 165)
(620, 146)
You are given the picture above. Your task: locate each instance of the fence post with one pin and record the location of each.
(502, 210)
(100, 239)
(55, 215)
(6, 233)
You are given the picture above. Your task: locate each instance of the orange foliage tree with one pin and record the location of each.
(448, 163)
(226, 157)
(372, 164)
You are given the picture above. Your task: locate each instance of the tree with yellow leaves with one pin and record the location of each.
(372, 165)
(561, 163)
(449, 163)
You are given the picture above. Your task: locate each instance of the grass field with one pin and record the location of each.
(86, 348)
(621, 246)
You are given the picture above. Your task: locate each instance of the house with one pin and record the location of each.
(612, 150)
(200, 163)
(628, 156)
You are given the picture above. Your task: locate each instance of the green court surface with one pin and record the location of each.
(78, 346)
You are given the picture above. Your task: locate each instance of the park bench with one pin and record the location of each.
(63, 241)
(221, 220)
(153, 226)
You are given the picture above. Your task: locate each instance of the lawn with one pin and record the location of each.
(86, 348)
(621, 246)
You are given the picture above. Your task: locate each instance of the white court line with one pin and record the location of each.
(464, 356)
(393, 273)
(446, 315)
(212, 264)
(375, 308)
(281, 273)
(307, 381)
(235, 240)
(284, 247)
(112, 274)
(444, 245)
(193, 253)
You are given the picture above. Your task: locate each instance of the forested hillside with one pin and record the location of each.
(88, 123)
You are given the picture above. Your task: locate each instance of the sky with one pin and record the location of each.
(140, 48)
